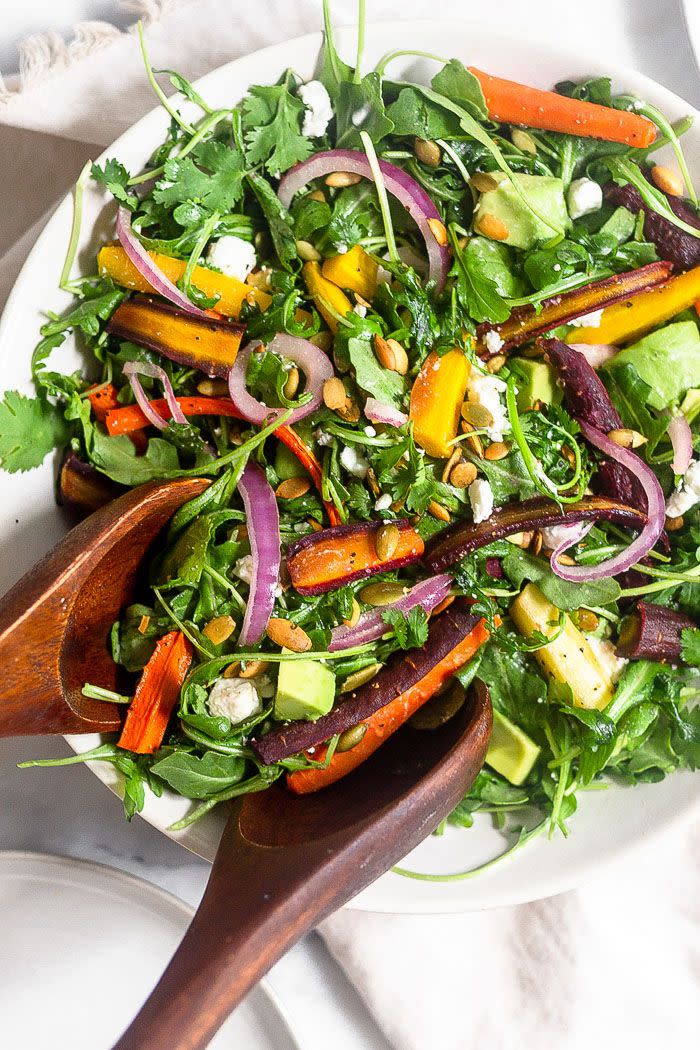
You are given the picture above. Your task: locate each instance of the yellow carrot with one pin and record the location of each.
(355, 270)
(436, 400)
(328, 298)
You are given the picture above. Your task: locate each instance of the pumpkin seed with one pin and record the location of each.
(334, 396)
(626, 438)
(439, 231)
(361, 677)
(522, 141)
(585, 619)
(463, 474)
(386, 541)
(427, 152)
(287, 635)
(213, 388)
(307, 252)
(438, 511)
(497, 450)
(473, 441)
(292, 385)
(674, 524)
(384, 593)
(253, 668)
(440, 709)
(340, 179)
(354, 615)
(292, 488)
(668, 180)
(491, 226)
(485, 181)
(351, 737)
(495, 364)
(536, 544)
(452, 462)
(476, 414)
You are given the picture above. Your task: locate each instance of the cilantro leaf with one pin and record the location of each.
(215, 181)
(30, 428)
(690, 646)
(410, 629)
(409, 294)
(115, 178)
(272, 127)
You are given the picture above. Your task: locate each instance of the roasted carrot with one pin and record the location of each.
(156, 694)
(130, 418)
(103, 399)
(388, 719)
(326, 560)
(511, 103)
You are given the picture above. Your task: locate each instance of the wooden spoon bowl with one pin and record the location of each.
(55, 622)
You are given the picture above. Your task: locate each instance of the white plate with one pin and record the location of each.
(609, 823)
(691, 10)
(82, 946)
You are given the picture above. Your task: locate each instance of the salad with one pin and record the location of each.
(435, 350)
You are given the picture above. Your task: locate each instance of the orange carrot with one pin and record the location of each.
(388, 719)
(130, 418)
(511, 103)
(103, 398)
(156, 694)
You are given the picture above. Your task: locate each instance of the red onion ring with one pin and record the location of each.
(378, 412)
(263, 520)
(371, 626)
(147, 268)
(656, 514)
(597, 354)
(574, 534)
(312, 361)
(402, 186)
(132, 370)
(682, 443)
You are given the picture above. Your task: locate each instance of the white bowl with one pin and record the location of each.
(609, 823)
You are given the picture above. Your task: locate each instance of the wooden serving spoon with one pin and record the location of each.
(285, 862)
(54, 623)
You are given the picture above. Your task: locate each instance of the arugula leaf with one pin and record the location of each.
(507, 477)
(630, 395)
(355, 215)
(477, 291)
(495, 262)
(601, 728)
(410, 629)
(690, 646)
(308, 216)
(116, 179)
(415, 115)
(30, 428)
(520, 566)
(272, 119)
(333, 71)
(215, 181)
(183, 85)
(363, 100)
(117, 458)
(98, 305)
(278, 219)
(132, 646)
(388, 387)
(196, 777)
(455, 82)
(516, 691)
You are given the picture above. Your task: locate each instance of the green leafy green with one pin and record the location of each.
(690, 646)
(272, 119)
(410, 629)
(30, 428)
(520, 566)
(199, 777)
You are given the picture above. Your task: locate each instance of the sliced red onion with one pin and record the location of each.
(371, 626)
(402, 186)
(656, 515)
(147, 268)
(378, 412)
(682, 443)
(313, 362)
(132, 370)
(263, 521)
(574, 534)
(597, 354)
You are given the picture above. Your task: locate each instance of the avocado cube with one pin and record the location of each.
(540, 384)
(512, 753)
(668, 360)
(305, 690)
(525, 228)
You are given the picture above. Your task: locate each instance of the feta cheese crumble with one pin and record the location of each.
(486, 390)
(370, 431)
(360, 310)
(481, 499)
(234, 698)
(554, 535)
(354, 462)
(606, 654)
(318, 111)
(323, 438)
(591, 320)
(688, 492)
(582, 197)
(233, 256)
(493, 342)
(383, 503)
(243, 569)
(360, 115)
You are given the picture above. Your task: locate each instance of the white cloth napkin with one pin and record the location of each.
(617, 962)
